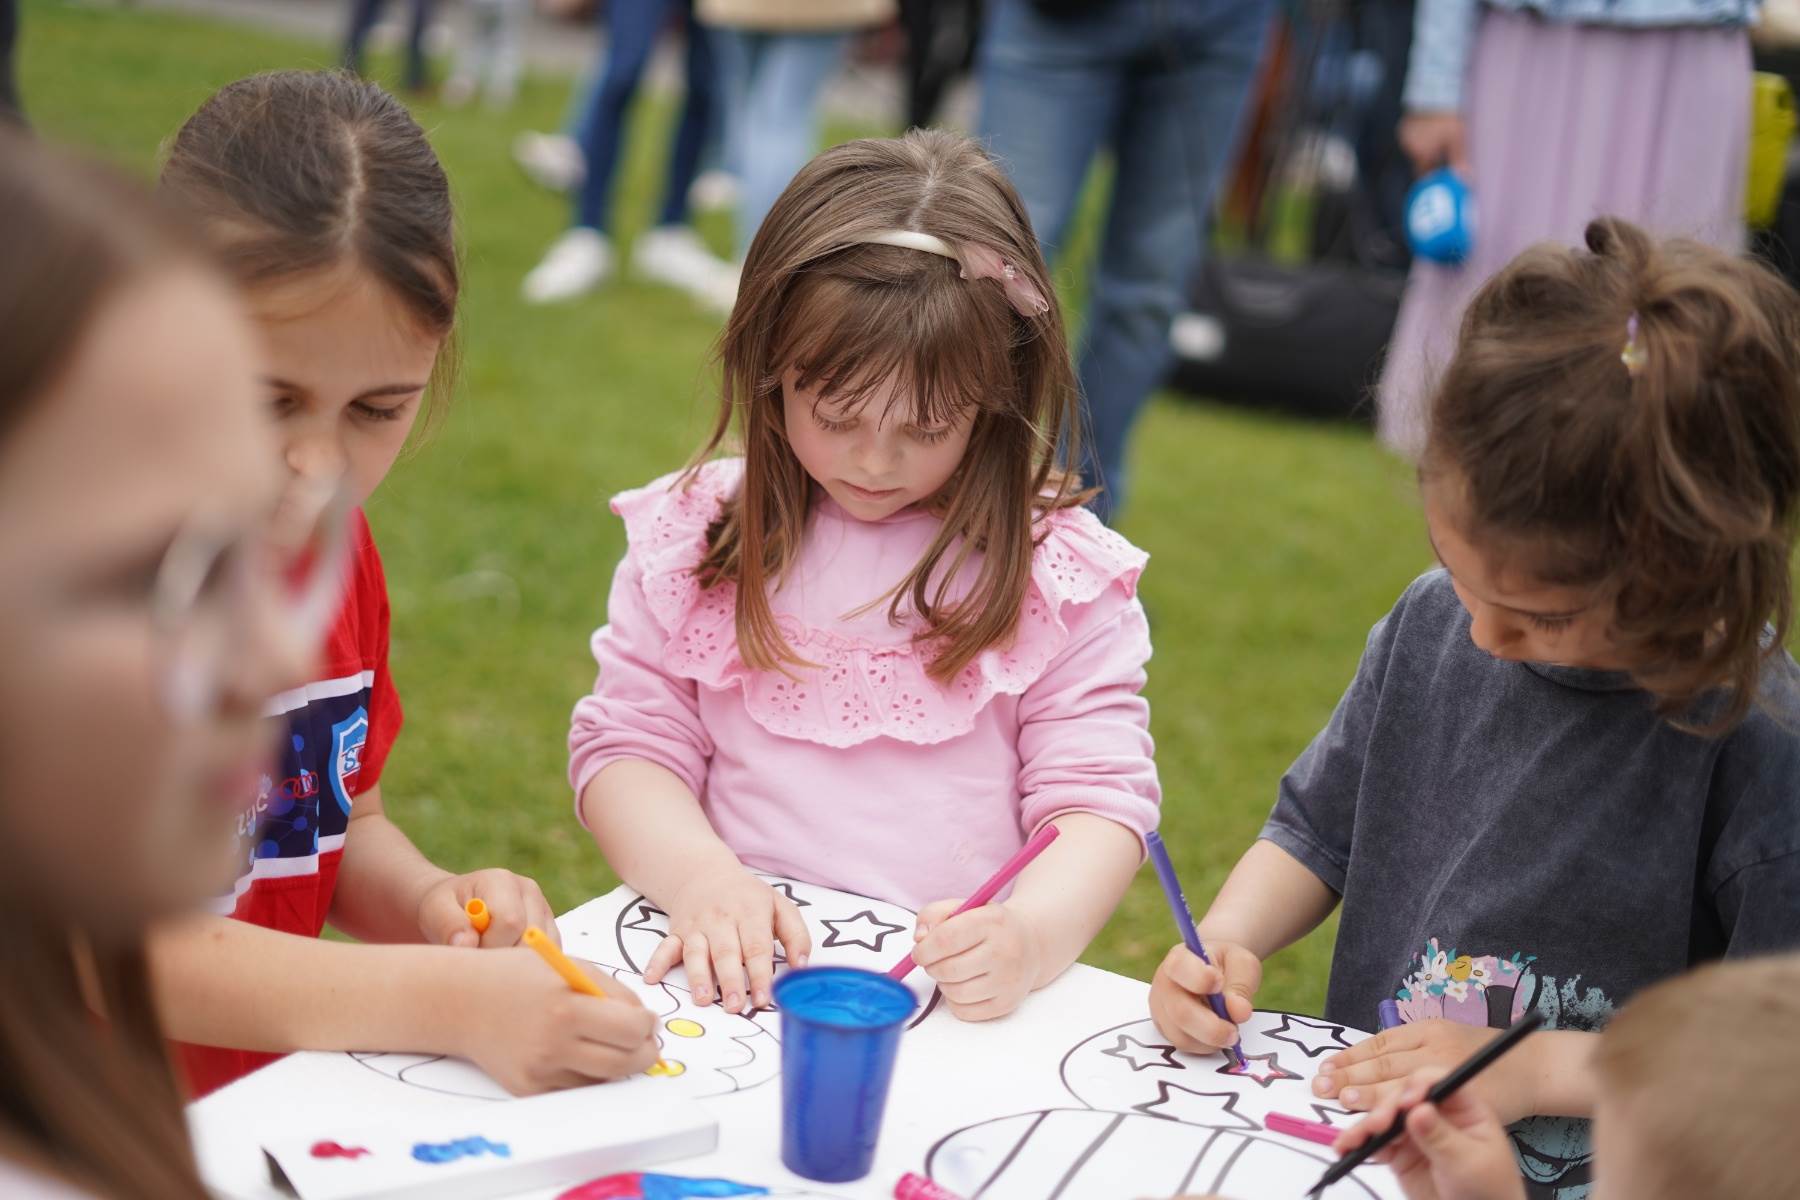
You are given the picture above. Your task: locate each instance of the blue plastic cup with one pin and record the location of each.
(840, 1030)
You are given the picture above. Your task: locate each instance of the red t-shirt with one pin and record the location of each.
(339, 728)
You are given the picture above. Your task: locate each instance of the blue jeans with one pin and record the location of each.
(772, 86)
(364, 14)
(632, 29)
(1162, 84)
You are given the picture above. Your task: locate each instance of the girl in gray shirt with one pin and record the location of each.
(1569, 763)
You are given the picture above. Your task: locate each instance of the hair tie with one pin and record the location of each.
(1633, 355)
(977, 262)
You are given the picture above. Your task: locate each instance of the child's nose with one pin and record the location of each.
(878, 454)
(1492, 631)
(315, 455)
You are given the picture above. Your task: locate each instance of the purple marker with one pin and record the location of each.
(1387, 1014)
(1184, 921)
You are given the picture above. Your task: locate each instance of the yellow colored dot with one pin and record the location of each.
(668, 1068)
(682, 1027)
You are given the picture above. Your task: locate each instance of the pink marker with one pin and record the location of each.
(987, 891)
(917, 1187)
(1312, 1131)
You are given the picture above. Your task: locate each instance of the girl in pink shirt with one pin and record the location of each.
(885, 645)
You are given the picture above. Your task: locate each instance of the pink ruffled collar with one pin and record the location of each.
(860, 690)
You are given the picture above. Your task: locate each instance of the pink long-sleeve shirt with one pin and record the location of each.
(863, 774)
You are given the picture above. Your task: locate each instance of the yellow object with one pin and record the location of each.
(479, 916)
(1771, 129)
(665, 1068)
(682, 1027)
(578, 979)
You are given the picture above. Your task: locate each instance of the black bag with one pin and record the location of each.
(1308, 337)
(1305, 340)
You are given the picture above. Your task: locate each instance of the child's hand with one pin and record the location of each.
(984, 961)
(1178, 996)
(1371, 1073)
(513, 902)
(523, 1025)
(1454, 1151)
(723, 928)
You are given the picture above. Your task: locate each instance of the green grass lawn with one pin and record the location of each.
(1275, 543)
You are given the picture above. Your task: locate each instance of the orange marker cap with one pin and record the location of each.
(479, 916)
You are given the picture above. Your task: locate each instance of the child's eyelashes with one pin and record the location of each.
(931, 437)
(376, 412)
(830, 426)
(1552, 624)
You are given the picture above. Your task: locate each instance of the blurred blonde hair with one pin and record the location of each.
(1706, 1067)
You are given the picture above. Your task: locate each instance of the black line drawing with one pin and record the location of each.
(787, 889)
(1337, 1118)
(847, 930)
(859, 930)
(1270, 1071)
(1313, 1038)
(1141, 1056)
(1217, 1110)
(1066, 1153)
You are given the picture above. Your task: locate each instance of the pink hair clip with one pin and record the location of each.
(977, 262)
(1633, 355)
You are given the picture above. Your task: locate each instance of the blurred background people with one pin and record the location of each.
(1559, 111)
(1162, 85)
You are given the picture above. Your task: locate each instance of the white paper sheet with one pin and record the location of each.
(1074, 1091)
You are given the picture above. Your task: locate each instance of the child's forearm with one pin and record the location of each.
(221, 982)
(1563, 1083)
(382, 878)
(651, 828)
(1103, 855)
(1269, 901)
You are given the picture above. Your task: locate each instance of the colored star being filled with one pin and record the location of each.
(1266, 1073)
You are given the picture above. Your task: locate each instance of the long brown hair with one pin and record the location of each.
(849, 316)
(86, 1089)
(297, 172)
(1669, 483)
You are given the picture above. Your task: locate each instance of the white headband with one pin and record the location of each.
(977, 262)
(912, 240)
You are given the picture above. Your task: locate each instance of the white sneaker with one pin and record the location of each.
(675, 255)
(713, 189)
(720, 292)
(551, 160)
(577, 263)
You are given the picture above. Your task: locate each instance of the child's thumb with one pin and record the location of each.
(1437, 1138)
(444, 922)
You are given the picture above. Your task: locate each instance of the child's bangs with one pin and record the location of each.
(936, 343)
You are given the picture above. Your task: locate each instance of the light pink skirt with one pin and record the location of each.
(1567, 123)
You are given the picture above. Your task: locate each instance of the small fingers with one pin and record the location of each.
(696, 956)
(668, 952)
(728, 969)
(791, 932)
(759, 967)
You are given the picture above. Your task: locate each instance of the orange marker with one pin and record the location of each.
(479, 916)
(559, 962)
(575, 977)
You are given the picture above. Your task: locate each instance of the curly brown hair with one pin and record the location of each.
(818, 298)
(1670, 484)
